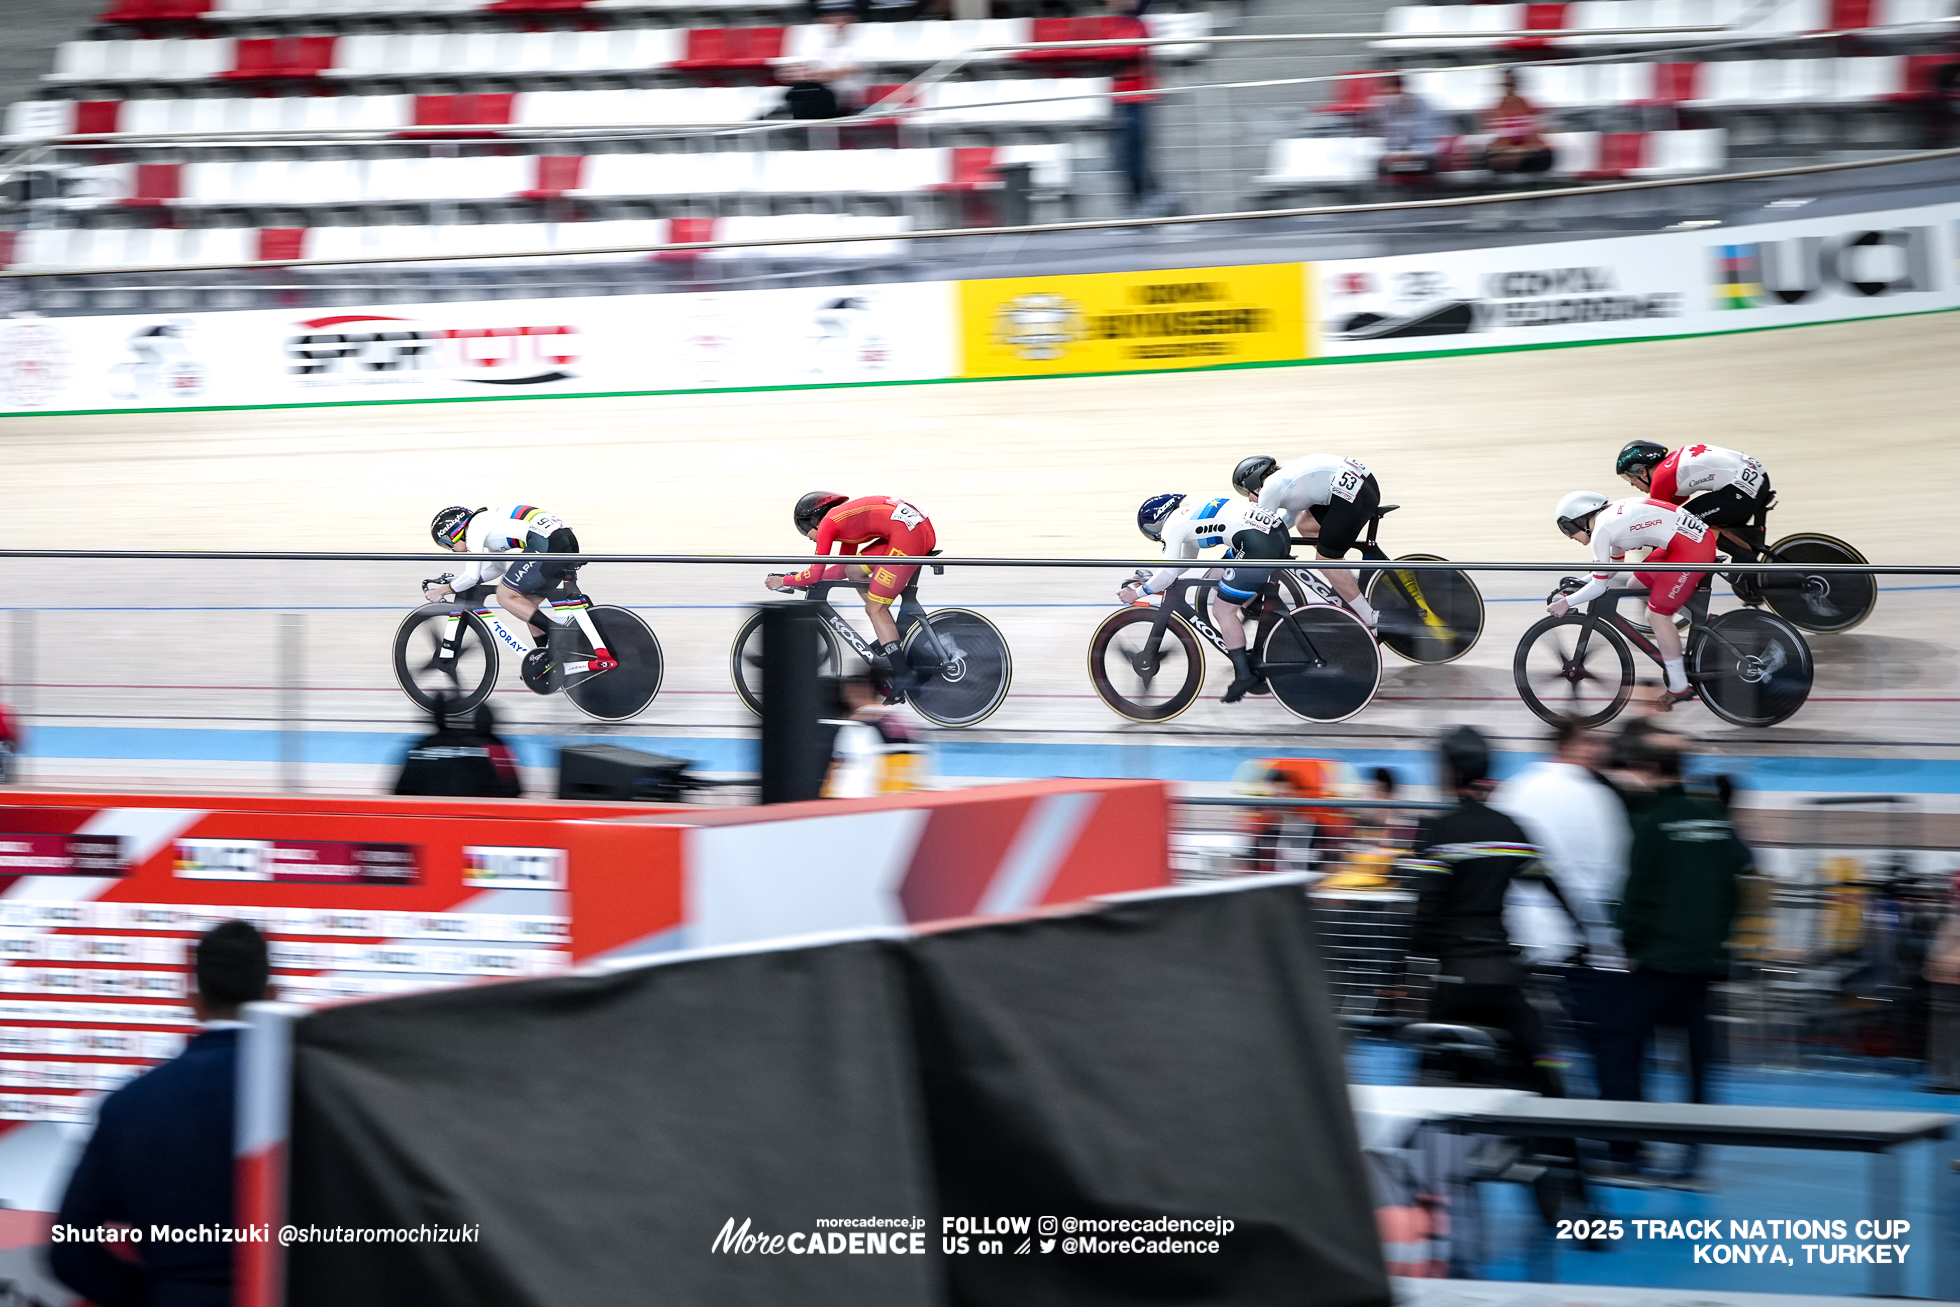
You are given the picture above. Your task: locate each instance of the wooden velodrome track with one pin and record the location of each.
(1854, 422)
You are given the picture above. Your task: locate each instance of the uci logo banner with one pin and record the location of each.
(1126, 321)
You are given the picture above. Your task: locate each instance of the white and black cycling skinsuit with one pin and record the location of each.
(525, 529)
(1340, 493)
(1247, 530)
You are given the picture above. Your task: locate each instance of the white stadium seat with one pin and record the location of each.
(1320, 161)
(1685, 154)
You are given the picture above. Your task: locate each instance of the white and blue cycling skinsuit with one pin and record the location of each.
(1247, 531)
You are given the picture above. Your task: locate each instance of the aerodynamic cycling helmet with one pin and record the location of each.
(1155, 510)
(450, 523)
(1577, 510)
(1251, 473)
(811, 508)
(1639, 453)
(1465, 756)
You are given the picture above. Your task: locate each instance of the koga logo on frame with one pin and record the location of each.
(372, 349)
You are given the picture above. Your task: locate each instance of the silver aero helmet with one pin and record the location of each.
(450, 524)
(1577, 510)
(1251, 473)
(1155, 511)
(811, 508)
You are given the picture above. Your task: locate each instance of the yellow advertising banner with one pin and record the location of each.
(1124, 321)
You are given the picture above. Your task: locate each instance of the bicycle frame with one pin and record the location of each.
(910, 613)
(1605, 610)
(578, 610)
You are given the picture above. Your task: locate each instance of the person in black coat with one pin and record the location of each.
(162, 1151)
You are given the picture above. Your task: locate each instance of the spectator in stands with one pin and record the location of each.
(1408, 128)
(1516, 143)
(1131, 80)
(829, 82)
(874, 751)
(1580, 828)
(1676, 914)
(1943, 978)
(161, 1154)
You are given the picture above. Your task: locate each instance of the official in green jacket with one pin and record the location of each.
(1676, 913)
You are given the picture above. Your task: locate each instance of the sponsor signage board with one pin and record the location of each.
(39, 854)
(1125, 321)
(335, 862)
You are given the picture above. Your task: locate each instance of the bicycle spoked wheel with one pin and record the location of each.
(1141, 678)
(1427, 616)
(960, 668)
(626, 690)
(1572, 666)
(745, 660)
(445, 652)
(1819, 601)
(1752, 668)
(1321, 663)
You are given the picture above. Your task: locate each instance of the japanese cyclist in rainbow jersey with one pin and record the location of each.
(521, 529)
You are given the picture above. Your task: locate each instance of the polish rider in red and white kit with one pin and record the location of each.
(1672, 533)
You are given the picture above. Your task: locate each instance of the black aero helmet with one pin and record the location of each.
(1465, 757)
(450, 523)
(1251, 473)
(1639, 453)
(811, 508)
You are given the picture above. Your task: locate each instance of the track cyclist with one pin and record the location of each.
(1184, 527)
(874, 526)
(1336, 496)
(1673, 534)
(512, 528)
(1723, 487)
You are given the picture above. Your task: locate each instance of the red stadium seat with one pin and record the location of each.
(282, 56)
(464, 110)
(1096, 27)
(973, 170)
(533, 6)
(1922, 72)
(9, 241)
(1354, 95)
(682, 230)
(1675, 84)
(281, 243)
(557, 174)
(98, 116)
(1619, 154)
(157, 184)
(153, 11)
(1539, 18)
(727, 49)
(1849, 15)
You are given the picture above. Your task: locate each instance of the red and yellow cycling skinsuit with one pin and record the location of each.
(876, 525)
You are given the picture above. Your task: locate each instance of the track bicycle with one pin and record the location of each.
(1750, 667)
(956, 661)
(1319, 659)
(1427, 616)
(607, 661)
(1824, 602)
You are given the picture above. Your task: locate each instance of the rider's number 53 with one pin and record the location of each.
(1347, 482)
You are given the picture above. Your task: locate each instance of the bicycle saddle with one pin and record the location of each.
(1381, 511)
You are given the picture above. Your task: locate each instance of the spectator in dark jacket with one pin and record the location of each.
(1675, 915)
(162, 1151)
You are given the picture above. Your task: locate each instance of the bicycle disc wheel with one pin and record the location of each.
(443, 650)
(961, 666)
(1427, 616)
(626, 690)
(1321, 663)
(1556, 679)
(1139, 679)
(1753, 668)
(1818, 601)
(745, 660)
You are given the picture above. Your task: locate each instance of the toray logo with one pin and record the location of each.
(361, 348)
(1805, 268)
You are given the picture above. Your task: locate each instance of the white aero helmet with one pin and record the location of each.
(1576, 510)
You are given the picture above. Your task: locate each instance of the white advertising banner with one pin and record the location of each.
(1667, 284)
(570, 346)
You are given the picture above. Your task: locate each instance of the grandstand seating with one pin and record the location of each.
(1737, 83)
(559, 54)
(1464, 26)
(1339, 162)
(1032, 102)
(671, 175)
(80, 249)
